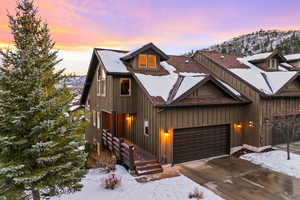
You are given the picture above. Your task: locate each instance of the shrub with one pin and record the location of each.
(196, 194)
(111, 182)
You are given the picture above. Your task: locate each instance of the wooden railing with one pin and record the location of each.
(123, 151)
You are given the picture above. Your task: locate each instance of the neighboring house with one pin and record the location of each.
(180, 108)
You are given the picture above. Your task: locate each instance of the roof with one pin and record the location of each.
(143, 48)
(176, 76)
(292, 57)
(265, 82)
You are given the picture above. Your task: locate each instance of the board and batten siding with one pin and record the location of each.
(251, 135)
(188, 117)
(98, 104)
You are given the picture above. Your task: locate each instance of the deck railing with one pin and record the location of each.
(124, 152)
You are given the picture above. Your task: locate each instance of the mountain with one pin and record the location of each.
(261, 41)
(75, 84)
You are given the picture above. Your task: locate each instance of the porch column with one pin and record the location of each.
(113, 123)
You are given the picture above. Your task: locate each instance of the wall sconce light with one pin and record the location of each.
(238, 125)
(129, 117)
(166, 132)
(251, 124)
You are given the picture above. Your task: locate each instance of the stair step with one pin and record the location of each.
(149, 171)
(144, 162)
(148, 166)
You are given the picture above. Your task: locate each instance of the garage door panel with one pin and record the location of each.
(202, 142)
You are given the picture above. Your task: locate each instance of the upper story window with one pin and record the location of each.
(125, 86)
(101, 82)
(272, 63)
(147, 61)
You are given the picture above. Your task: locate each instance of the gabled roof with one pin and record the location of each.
(264, 56)
(264, 82)
(292, 57)
(143, 48)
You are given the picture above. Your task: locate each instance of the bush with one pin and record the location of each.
(196, 194)
(108, 165)
(111, 182)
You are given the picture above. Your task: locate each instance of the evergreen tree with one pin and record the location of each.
(39, 144)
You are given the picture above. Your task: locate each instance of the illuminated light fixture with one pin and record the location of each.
(166, 133)
(251, 124)
(238, 125)
(128, 118)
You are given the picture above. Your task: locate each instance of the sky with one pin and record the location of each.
(175, 26)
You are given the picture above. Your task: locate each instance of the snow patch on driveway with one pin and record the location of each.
(177, 188)
(276, 160)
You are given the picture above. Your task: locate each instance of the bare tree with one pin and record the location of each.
(288, 127)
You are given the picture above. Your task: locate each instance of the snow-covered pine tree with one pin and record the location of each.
(39, 144)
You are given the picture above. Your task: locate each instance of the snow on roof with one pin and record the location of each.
(234, 91)
(254, 76)
(278, 79)
(158, 85)
(292, 57)
(111, 61)
(162, 85)
(260, 56)
(187, 83)
(287, 65)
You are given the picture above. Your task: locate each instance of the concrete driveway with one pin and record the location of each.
(236, 179)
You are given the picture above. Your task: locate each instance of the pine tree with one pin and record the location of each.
(39, 144)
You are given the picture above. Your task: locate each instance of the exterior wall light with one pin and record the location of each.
(166, 132)
(251, 124)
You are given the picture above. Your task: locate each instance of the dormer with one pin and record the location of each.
(146, 57)
(267, 61)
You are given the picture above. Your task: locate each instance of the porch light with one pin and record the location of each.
(238, 125)
(251, 124)
(166, 132)
(129, 117)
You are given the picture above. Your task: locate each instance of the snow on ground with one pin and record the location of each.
(177, 188)
(276, 160)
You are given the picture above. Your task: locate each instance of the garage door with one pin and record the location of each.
(279, 138)
(202, 142)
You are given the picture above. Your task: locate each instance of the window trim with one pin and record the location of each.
(139, 63)
(94, 118)
(125, 95)
(145, 120)
(98, 120)
(155, 63)
(98, 82)
(103, 81)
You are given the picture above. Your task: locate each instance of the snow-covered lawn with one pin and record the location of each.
(276, 160)
(177, 188)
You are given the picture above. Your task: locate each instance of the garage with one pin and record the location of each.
(201, 142)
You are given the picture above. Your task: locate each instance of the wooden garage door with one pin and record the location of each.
(202, 142)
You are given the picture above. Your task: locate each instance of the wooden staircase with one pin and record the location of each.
(145, 167)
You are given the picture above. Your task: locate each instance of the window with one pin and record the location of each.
(151, 61)
(98, 120)
(146, 127)
(142, 60)
(94, 118)
(125, 87)
(272, 63)
(147, 61)
(101, 82)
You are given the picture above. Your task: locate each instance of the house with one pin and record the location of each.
(181, 108)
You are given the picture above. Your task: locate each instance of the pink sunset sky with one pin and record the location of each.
(176, 26)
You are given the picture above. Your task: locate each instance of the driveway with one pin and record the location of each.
(236, 179)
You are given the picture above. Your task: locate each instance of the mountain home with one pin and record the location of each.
(179, 108)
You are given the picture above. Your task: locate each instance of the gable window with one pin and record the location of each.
(146, 127)
(101, 82)
(147, 61)
(272, 63)
(125, 86)
(151, 61)
(142, 60)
